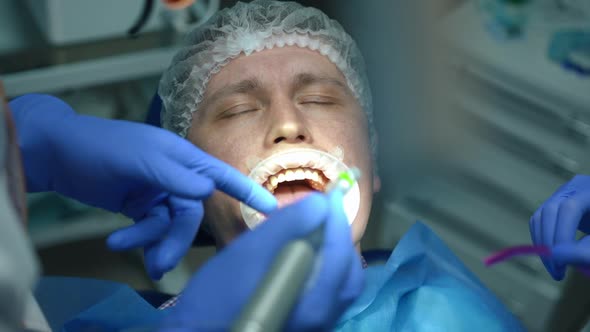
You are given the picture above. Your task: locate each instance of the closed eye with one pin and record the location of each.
(318, 100)
(238, 110)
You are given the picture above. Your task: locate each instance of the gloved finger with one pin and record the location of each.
(321, 302)
(354, 284)
(548, 225)
(563, 188)
(571, 212)
(577, 253)
(292, 222)
(150, 254)
(339, 240)
(145, 231)
(241, 265)
(535, 225)
(228, 179)
(186, 217)
(242, 188)
(535, 222)
(262, 244)
(176, 178)
(536, 233)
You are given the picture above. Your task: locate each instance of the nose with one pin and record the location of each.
(288, 125)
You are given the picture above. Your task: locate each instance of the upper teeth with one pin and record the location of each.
(315, 167)
(315, 178)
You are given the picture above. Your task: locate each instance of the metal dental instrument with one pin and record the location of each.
(275, 297)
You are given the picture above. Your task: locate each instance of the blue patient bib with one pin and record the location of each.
(78, 304)
(425, 287)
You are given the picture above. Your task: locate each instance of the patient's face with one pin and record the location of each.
(277, 100)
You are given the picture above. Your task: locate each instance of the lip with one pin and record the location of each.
(329, 164)
(292, 158)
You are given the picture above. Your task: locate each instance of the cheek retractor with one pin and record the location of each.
(331, 165)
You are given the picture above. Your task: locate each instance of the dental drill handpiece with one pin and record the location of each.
(276, 295)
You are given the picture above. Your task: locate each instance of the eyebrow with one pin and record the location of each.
(300, 81)
(242, 87)
(305, 79)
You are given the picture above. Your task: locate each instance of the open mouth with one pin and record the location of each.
(293, 174)
(315, 179)
(291, 185)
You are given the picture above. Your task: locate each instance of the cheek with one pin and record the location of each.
(352, 134)
(229, 146)
(223, 217)
(360, 223)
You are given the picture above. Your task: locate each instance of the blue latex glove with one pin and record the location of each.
(215, 296)
(149, 174)
(555, 223)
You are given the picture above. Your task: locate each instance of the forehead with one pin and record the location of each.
(275, 65)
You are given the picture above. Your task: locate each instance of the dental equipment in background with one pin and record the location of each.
(203, 10)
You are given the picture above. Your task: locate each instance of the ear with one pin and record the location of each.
(376, 184)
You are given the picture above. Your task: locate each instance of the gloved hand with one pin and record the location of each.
(149, 174)
(215, 296)
(555, 223)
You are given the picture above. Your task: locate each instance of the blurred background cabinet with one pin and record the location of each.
(524, 130)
